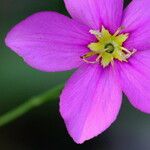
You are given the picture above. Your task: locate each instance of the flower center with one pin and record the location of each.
(108, 47)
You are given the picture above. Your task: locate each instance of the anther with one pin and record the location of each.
(89, 54)
(96, 33)
(131, 53)
(125, 50)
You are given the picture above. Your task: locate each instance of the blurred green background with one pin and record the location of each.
(43, 128)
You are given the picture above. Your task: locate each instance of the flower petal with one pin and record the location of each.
(90, 102)
(134, 78)
(49, 41)
(137, 14)
(136, 20)
(139, 39)
(96, 12)
(111, 13)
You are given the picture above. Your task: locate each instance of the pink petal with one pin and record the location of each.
(134, 78)
(96, 12)
(90, 102)
(49, 41)
(136, 20)
(138, 39)
(137, 14)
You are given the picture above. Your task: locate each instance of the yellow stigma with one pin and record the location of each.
(108, 47)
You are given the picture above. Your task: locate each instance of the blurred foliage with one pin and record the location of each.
(30, 104)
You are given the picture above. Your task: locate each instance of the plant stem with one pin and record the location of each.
(30, 104)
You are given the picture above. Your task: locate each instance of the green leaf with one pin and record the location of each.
(30, 104)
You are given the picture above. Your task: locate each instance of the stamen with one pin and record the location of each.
(119, 30)
(90, 54)
(89, 62)
(98, 58)
(96, 33)
(126, 50)
(87, 55)
(131, 53)
(108, 47)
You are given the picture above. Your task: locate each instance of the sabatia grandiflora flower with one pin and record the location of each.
(109, 46)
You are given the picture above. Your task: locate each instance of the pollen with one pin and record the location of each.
(109, 47)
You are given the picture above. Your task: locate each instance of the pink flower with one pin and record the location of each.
(109, 45)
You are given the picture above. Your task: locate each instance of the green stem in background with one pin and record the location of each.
(30, 104)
